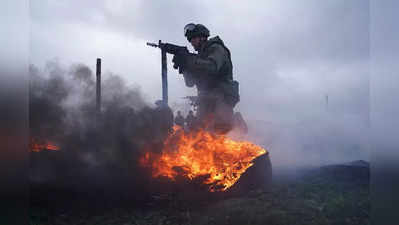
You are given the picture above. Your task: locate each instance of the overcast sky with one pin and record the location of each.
(287, 56)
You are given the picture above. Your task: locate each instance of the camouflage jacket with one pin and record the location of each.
(210, 67)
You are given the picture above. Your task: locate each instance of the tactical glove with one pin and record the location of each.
(180, 60)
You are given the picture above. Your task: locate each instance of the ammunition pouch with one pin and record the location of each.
(230, 89)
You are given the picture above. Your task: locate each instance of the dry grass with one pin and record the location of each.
(319, 198)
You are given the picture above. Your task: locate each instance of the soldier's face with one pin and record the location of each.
(196, 43)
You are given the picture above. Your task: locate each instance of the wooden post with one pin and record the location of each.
(164, 75)
(98, 85)
(327, 102)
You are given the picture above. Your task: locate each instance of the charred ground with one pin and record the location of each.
(327, 195)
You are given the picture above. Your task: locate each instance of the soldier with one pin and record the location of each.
(179, 119)
(211, 71)
(190, 119)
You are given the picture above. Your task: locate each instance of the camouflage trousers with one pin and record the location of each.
(214, 113)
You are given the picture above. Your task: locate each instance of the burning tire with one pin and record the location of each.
(257, 177)
(204, 162)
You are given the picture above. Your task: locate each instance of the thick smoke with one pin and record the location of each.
(97, 150)
(327, 138)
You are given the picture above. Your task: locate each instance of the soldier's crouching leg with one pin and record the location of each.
(223, 118)
(205, 111)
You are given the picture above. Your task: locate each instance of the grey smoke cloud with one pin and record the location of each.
(97, 150)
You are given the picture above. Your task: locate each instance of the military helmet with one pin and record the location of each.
(195, 30)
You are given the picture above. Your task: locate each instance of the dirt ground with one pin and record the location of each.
(322, 196)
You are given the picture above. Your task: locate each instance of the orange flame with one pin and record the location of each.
(38, 146)
(217, 157)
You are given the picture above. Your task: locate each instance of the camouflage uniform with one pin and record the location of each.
(211, 72)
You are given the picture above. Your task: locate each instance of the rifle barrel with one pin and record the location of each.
(152, 45)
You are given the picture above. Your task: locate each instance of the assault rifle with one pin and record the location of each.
(171, 49)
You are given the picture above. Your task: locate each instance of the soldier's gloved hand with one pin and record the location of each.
(175, 62)
(180, 59)
(176, 65)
